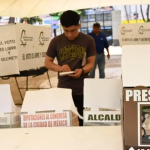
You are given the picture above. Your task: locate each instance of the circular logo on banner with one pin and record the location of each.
(40, 38)
(123, 31)
(141, 31)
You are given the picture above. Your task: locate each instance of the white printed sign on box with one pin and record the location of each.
(52, 119)
(95, 102)
(8, 51)
(34, 103)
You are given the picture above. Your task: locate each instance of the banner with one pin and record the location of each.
(41, 43)
(22, 47)
(134, 34)
(8, 51)
(27, 54)
(143, 33)
(54, 119)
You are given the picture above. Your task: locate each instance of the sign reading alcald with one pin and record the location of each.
(102, 116)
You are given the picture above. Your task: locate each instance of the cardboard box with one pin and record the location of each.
(136, 96)
(22, 47)
(49, 108)
(102, 101)
(9, 113)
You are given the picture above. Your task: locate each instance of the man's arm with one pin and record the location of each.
(90, 64)
(106, 44)
(49, 64)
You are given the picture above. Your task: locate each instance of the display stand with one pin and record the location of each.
(9, 113)
(48, 108)
(102, 97)
(26, 74)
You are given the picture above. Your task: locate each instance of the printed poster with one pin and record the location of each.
(134, 34)
(8, 51)
(27, 54)
(41, 42)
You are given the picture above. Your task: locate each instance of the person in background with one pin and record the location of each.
(70, 48)
(101, 43)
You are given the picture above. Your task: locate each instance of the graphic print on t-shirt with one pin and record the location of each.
(71, 52)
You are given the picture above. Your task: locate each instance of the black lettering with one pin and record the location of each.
(2, 59)
(23, 56)
(9, 41)
(32, 55)
(118, 117)
(90, 117)
(43, 54)
(101, 117)
(9, 58)
(112, 118)
(95, 117)
(1, 49)
(107, 117)
(1, 43)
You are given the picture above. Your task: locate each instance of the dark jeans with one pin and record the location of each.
(78, 101)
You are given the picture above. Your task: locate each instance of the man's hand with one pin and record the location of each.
(108, 56)
(77, 73)
(65, 68)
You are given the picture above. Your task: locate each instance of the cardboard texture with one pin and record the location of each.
(136, 96)
(106, 96)
(50, 100)
(9, 113)
(69, 138)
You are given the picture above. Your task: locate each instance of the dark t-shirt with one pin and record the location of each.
(71, 52)
(100, 41)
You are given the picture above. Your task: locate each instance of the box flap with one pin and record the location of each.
(102, 93)
(55, 99)
(6, 102)
(136, 65)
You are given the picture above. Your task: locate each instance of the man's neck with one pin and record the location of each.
(96, 33)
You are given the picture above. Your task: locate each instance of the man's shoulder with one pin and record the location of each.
(102, 34)
(90, 34)
(86, 36)
(57, 38)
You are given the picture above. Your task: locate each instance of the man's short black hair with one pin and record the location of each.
(69, 18)
(96, 24)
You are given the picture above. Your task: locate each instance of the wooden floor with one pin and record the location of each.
(112, 71)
